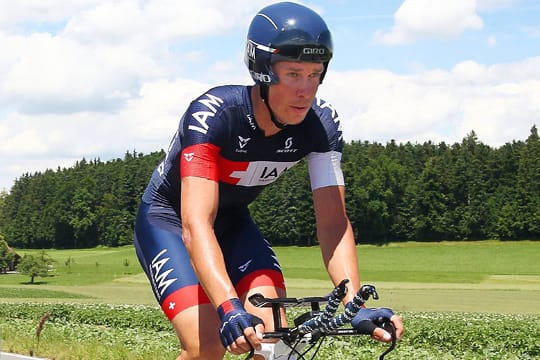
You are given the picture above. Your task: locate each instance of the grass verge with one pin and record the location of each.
(462, 300)
(138, 332)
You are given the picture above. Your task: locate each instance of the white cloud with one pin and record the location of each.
(106, 79)
(14, 14)
(159, 21)
(421, 19)
(104, 51)
(500, 103)
(34, 142)
(53, 74)
(110, 22)
(93, 78)
(151, 117)
(154, 116)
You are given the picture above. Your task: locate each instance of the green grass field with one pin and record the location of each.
(468, 300)
(488, 276)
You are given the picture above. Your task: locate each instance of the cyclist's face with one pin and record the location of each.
(291, 98)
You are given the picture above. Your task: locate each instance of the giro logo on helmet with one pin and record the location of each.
(314, 51)
(264, 78)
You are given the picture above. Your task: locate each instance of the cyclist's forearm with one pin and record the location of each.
(208, 263)
(336, 237)
(339, 254)
(198, 212)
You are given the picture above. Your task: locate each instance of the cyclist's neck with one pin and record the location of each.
(262, 113)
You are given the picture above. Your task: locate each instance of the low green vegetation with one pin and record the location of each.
(92, 332)
(459, 300)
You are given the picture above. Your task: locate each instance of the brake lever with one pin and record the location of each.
(368, 290)
(388, 326)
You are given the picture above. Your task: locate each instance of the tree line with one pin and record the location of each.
(395, 192)
(90, 204)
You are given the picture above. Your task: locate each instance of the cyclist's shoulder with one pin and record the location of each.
(324, 109)
(324, 122)
(216, 115)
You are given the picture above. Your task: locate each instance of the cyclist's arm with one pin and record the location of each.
(199, 207)
(198, 211)
(336, 238)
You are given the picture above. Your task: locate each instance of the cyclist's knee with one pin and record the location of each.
(203, 353)
(197, 330)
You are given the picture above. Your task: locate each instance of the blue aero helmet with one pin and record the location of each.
(285, 31)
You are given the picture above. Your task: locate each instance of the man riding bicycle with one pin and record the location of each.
(194, 236)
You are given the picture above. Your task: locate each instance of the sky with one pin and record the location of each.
(93, 79)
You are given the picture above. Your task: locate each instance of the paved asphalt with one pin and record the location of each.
(9, 356)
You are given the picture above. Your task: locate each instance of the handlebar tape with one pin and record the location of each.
(327, 321)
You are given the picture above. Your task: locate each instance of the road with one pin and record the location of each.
(9, 356)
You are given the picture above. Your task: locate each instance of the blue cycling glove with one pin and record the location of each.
(368, 319)
(234, 320)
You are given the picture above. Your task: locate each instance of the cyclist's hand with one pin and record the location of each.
(239, 330)
(369, 321)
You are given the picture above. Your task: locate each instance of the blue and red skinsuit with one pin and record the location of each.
(218, 139)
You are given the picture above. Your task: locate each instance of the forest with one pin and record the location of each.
(395, 192)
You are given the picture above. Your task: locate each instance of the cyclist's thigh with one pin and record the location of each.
(252, 265)
(249, 258)
(165, 260)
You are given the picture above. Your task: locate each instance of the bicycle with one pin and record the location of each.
(313, 326)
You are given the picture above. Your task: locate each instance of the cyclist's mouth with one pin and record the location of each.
(299, 109)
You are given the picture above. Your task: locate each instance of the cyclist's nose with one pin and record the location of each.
(305, 88)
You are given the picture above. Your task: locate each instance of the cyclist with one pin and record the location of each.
(194, 236)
